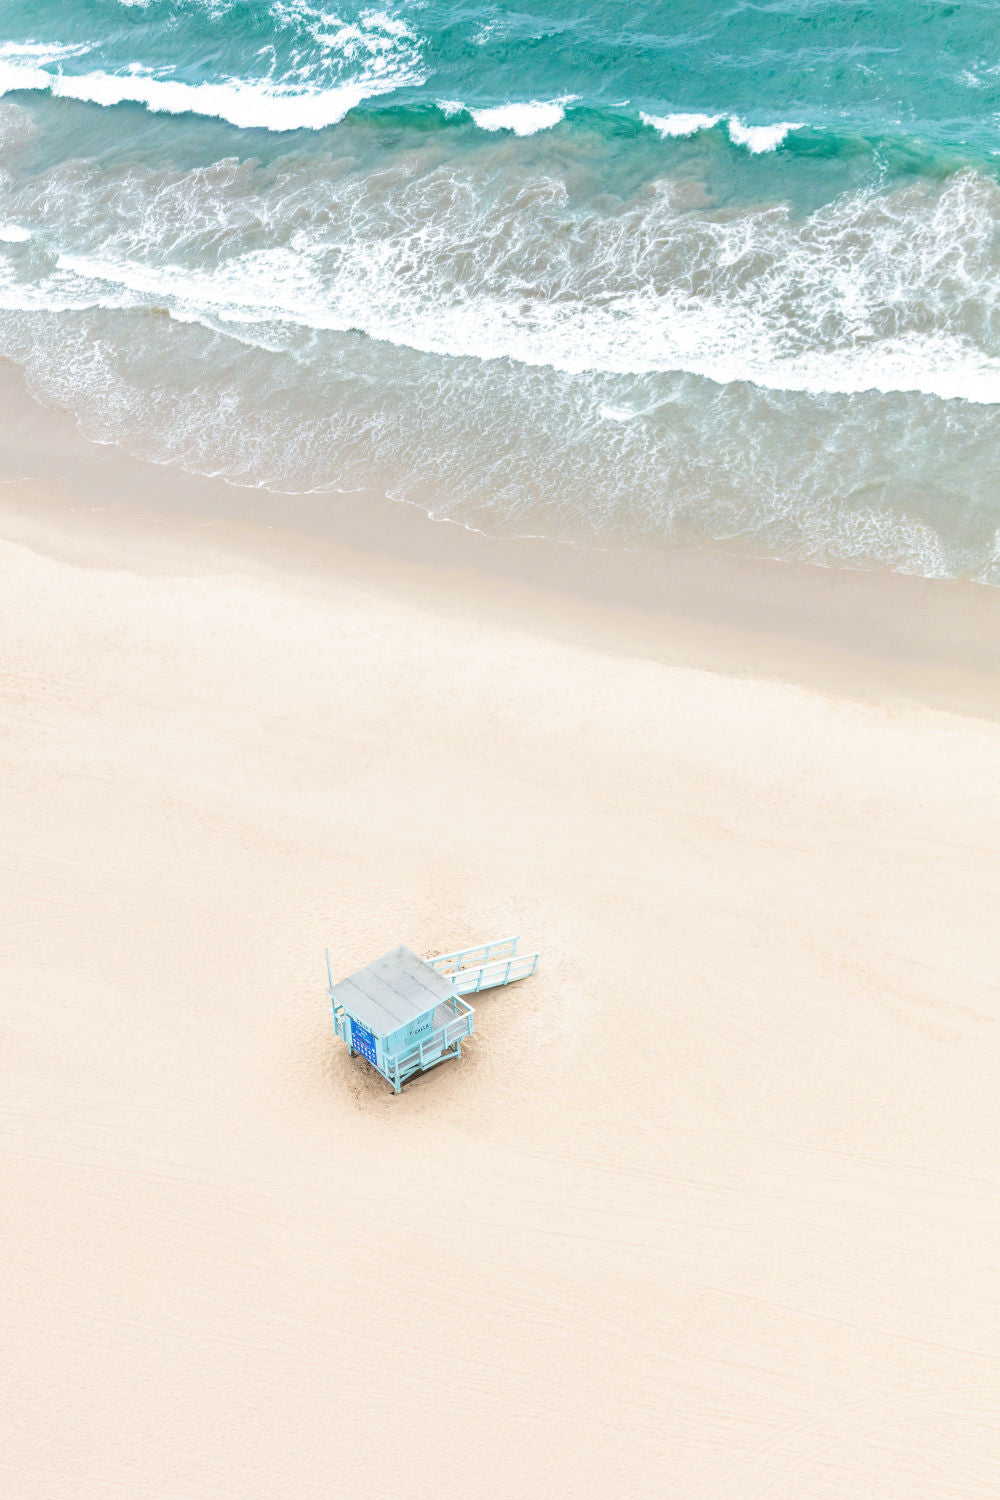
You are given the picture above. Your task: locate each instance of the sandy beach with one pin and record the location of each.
(709, 1207)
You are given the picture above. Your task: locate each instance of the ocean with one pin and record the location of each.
(624, 276)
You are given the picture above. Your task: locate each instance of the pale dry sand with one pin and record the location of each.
(708, 1210)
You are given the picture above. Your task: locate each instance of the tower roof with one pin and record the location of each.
(392, 991)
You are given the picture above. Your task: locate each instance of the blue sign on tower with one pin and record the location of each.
(363, 1041)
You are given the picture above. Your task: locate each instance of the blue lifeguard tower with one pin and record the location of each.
(406, 1014)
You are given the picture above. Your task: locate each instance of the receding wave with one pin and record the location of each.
(639, 335)
(613, 459)
(888, 291)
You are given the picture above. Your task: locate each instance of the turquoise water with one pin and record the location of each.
(624, 275)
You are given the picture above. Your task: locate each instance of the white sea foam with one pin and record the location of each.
(376, 55)
(23, 64)
(893, 291)
(36, 54)
(680, 124)
(721, 343)
(61, 292)
(760, 138)
(616, 413)
(755, 138)
(522, 119)
(21, 75)
(14, 234)
(245, 103)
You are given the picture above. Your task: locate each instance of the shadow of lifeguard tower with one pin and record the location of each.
(406, 1014)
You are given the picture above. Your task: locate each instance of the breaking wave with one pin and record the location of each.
(756, 138)
(356, 61)
(522, 119)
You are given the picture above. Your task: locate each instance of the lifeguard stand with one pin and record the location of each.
(406, 1014)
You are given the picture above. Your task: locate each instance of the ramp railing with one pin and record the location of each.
(465, 958)
(498, 971)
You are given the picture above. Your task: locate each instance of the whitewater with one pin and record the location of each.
(532, 271)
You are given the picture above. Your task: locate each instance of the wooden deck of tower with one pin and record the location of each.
(406, 1014)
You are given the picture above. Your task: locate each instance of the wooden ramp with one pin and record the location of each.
(471, 970)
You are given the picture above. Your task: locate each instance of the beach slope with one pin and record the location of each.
(707, 1210)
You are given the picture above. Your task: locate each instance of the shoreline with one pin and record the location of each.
(875, 637)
